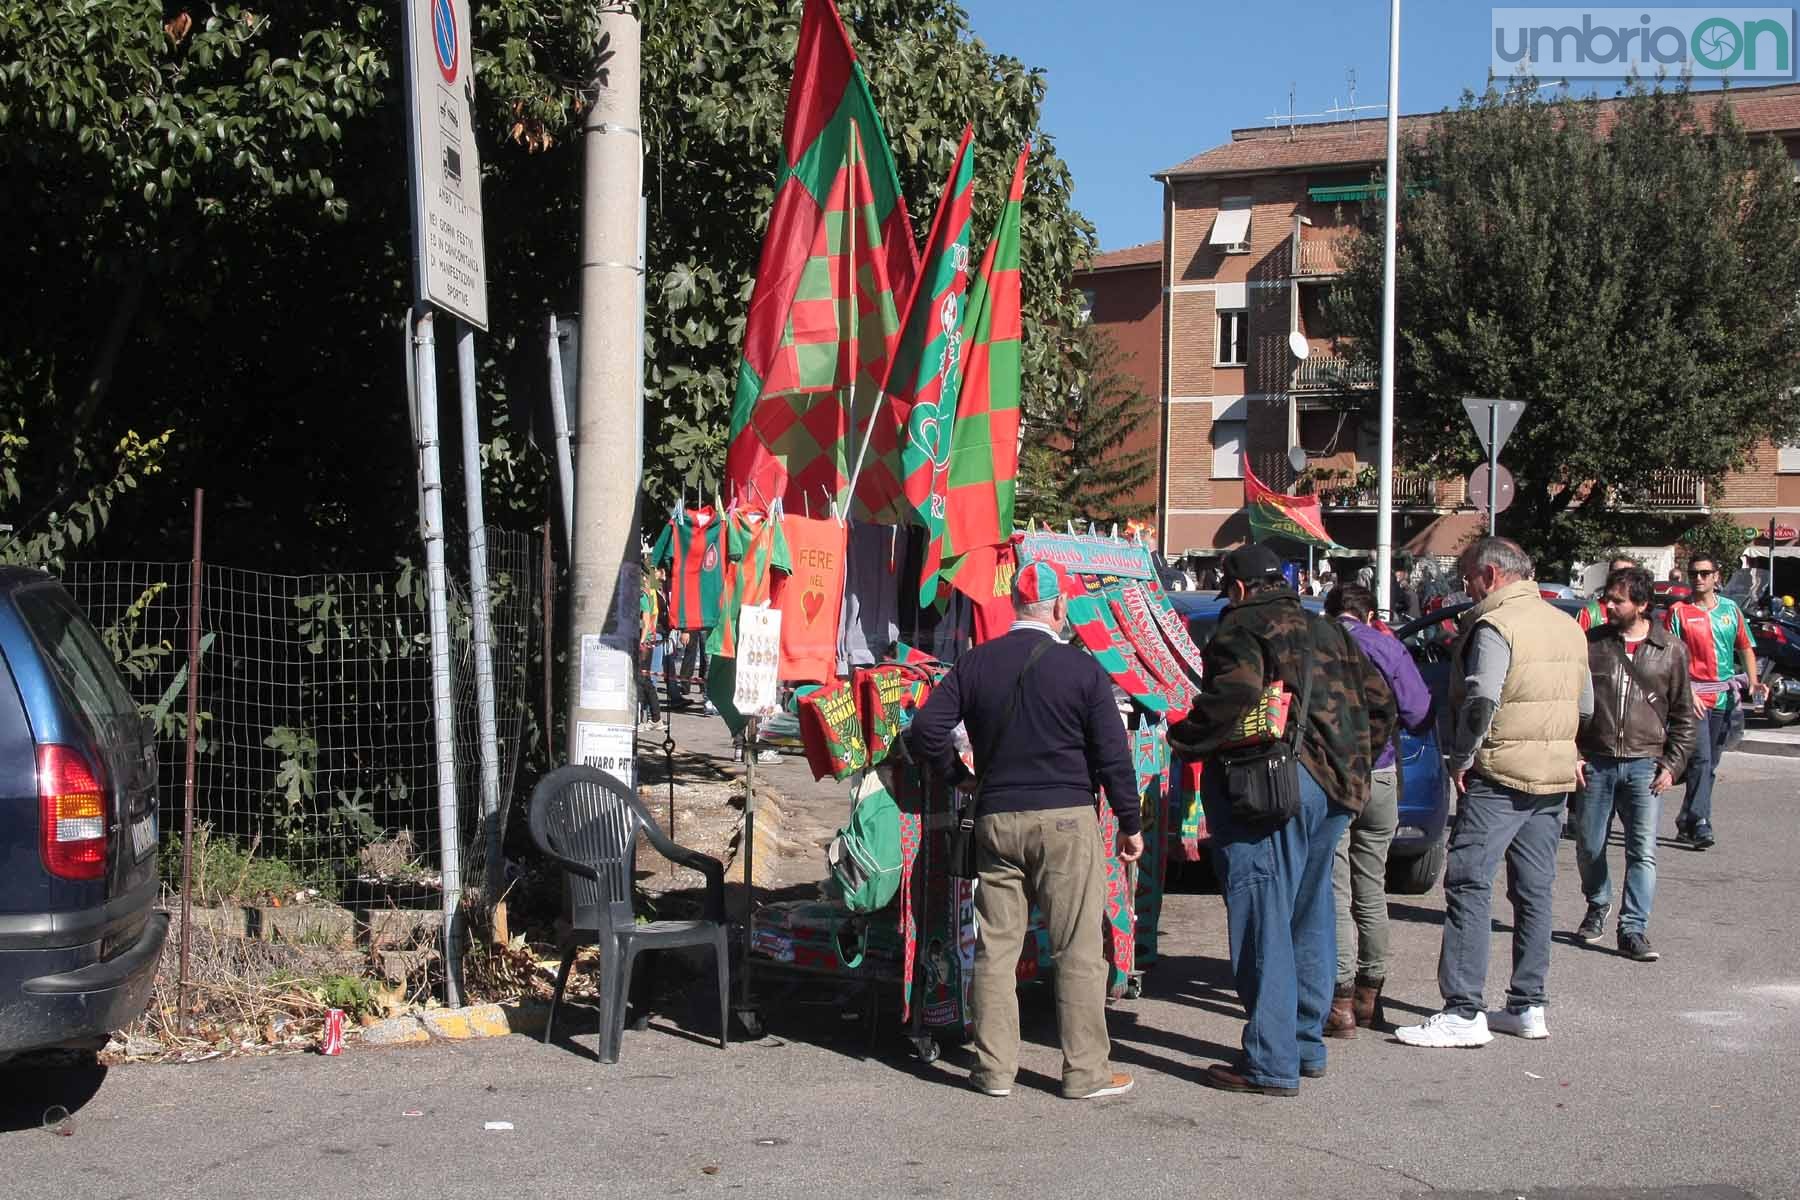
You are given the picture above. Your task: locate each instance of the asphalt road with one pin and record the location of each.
(1674, 1079)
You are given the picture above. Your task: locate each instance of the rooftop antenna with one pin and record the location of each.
(1336, 112)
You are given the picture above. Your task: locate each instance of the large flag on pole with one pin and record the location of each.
(910, 443)
(1277, 514)
(824, 316)
(984, 445)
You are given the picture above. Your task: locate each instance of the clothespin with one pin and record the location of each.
(1115, 531)
(1070, 526)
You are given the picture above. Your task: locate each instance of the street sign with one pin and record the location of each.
(449, 254)
(1506, 416)
(1478, 489)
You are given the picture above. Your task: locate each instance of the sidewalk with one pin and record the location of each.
(1760, 738)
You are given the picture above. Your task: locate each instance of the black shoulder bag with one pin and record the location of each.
(963, 858)
(1263, 782)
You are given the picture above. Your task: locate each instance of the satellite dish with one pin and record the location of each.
(1298, 346)
(1297, 458)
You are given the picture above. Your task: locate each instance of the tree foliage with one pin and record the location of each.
(210, 224)
(1635, 284)
(1075, 465)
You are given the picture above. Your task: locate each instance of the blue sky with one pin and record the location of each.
(1140, 85)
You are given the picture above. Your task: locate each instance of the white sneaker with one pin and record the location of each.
(1446, 1030)
(1527, 1024)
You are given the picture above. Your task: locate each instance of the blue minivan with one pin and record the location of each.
(80, 933)
(1416, 858)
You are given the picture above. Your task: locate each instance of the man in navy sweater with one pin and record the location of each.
(1037, 827)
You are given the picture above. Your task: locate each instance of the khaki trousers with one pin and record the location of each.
(1055, 858)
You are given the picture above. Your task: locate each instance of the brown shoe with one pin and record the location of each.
(1365, 1002)
(1340, 1022)
(1226, 1080)
(1121, 1083)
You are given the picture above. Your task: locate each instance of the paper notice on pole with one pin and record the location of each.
(612, 748)
(605, 675)
(758, 654)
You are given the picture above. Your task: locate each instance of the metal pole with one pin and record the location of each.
(549, 644)
(431, 485)
(1384, 515)
(187, 799)
(559, 421)
(1493, 497)
(603, 590)
(493, 816)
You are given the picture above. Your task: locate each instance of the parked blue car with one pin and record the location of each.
(1417, 857)
(80, 936)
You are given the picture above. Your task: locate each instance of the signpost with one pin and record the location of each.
(1492, 490)
(1494, 421)
(449, 273)
(450, 259)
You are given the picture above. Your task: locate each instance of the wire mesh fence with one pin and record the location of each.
(315, 767)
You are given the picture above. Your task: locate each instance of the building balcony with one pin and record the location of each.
(1327, 374)
(1668, 491)
(1415, 492)
(1319, 256)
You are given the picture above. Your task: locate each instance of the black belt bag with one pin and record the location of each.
(1262, 782)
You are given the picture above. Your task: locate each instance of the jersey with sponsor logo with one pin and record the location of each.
(1717, 642)
(691, 544)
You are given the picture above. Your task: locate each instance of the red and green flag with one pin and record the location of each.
(1277, 514)
(909, 453)
(984, 445)
(824, 315)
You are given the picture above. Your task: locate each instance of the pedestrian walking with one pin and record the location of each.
(1041, 718)
(1404, 601)
(1712, 628)
(1275, 868)
(1633, 749)
(1519, 690)
(1359, 870)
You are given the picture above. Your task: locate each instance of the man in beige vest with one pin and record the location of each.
(1519, 691)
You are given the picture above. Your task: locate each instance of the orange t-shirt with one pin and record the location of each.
(811, 599)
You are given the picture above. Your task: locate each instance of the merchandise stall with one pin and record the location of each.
(921, 946)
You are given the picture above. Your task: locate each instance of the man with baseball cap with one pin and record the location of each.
(1277, 876)
(1046, 732)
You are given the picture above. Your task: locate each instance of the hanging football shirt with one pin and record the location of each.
(757, 548)
(872, 594)
(691, 545)
(811, 599)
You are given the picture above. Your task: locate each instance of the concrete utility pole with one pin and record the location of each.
(608, 430)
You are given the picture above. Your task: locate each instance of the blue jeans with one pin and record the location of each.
(1696, 806)
(1278, 905)
(1621, 784)
(1494, 822)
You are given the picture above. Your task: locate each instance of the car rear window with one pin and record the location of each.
(75, 651)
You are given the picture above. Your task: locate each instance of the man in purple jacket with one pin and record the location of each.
(1359, 877)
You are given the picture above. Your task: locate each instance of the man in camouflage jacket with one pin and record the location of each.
(1277, 881)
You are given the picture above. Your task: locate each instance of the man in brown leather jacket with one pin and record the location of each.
(1633, 749)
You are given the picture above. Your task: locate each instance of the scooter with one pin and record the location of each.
(1775, 631)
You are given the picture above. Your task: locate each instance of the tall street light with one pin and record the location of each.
(1384, 514)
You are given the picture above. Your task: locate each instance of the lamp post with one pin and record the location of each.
(1384, 513)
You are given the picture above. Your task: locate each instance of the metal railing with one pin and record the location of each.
(1667, 490)
(1319, 255)
(1410, 491)
(1327, 374)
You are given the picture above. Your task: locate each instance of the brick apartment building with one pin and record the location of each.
(1123, 290)
(1251, 230)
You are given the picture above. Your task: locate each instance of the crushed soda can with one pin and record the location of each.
(333, 1040)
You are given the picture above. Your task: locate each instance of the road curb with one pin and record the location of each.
(1768, 746)
(457, 1024)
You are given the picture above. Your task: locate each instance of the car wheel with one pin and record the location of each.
(1418, 874)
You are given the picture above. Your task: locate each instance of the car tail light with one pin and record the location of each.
(1774, 632)
(71, 815)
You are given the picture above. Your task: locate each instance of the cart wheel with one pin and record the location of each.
(926, 1048)
(750, 1021)
(1134, 986)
